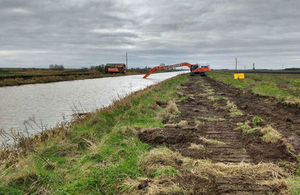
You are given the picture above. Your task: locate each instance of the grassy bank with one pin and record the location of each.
(97, 154)
(284, 87)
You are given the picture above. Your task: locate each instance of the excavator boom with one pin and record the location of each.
(193, 67)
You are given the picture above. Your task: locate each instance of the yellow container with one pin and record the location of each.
(239, 76)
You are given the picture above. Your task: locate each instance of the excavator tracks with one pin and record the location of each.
(212, 115)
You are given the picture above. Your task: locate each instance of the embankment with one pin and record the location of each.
(92, 155)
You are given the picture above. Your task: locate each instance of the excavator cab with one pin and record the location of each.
(196, 70)
(194, 67)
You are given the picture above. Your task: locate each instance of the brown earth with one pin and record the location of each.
(285, 118)
(211, 133)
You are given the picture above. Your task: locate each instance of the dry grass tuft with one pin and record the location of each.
(165, 157)
(171, 111)
(198, 123)
(182, 123)
(234, 111)
(211, 118)
(25, 144)
(246, 128)
(159, 185)
(270, 135)
(197, 147)
(218, 98)
(157, 165)
(209, 91)
(172, 108)
(9, 157)
(276, 184)
(211, 141)
(159, 158)
(250, 171)
(164, 185)
(24, 172)
(173, 125)
(205, 170)
(179, 93)
(292, 101)
(25, 178)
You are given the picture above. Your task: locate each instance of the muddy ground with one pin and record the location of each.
(208, 128)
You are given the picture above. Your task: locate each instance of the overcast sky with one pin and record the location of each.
(77, 33)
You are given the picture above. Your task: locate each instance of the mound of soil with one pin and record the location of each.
(168, 136)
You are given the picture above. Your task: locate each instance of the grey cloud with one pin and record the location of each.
(82, 33)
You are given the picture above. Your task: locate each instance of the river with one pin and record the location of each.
(51, 103)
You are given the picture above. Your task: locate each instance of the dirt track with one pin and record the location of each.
(284, 118)
(211, 131)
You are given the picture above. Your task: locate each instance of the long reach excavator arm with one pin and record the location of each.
(195, 69)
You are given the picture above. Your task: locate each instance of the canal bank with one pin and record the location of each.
(94, 154)
(40, 106)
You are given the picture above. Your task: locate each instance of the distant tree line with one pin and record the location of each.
(99, 68)
(292, 69)
(56, 67)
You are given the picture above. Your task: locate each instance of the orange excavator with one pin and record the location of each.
(194, 68)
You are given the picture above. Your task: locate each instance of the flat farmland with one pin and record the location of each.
(284, 87)
(187, 135)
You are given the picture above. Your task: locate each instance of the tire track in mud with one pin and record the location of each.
(284, 118)
(214, 124)
(209, 132)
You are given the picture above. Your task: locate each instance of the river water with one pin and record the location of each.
(51, 103)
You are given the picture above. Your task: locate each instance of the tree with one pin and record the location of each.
(56, 67)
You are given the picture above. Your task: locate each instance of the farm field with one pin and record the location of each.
(284, 87)
(187, 135)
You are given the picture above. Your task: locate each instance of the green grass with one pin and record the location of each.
(294, 183)
(219, 98)
(98, 154)
(284, 87)
(298, 169)
(169, 170)
(294, 186)
(4, 73)
(245, 127)
(255, 120)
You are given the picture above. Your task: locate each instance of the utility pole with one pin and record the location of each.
(236, 63)
(126, 61)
